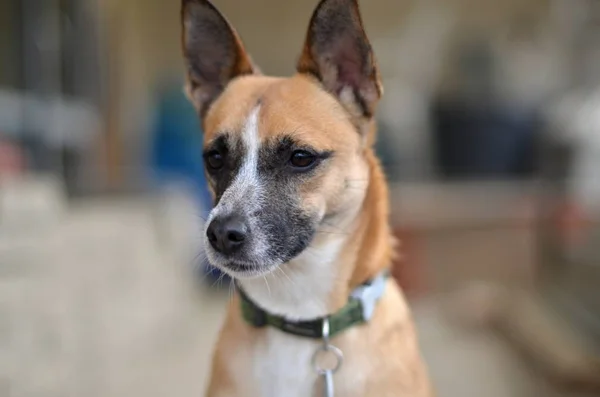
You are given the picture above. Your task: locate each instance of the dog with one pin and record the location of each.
(300, 220)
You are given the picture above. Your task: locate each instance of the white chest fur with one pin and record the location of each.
(282, 366)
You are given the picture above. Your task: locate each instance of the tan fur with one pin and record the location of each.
(389, 360)
(349, 191)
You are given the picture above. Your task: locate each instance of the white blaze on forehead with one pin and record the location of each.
(244, 188)
(248, 173)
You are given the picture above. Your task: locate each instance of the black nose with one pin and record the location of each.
(227, 234)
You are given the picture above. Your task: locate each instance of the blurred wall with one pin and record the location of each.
(9, 71)
(273, 30)
(412, 40)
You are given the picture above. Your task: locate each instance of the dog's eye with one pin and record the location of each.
(302, 159)
(214, 160)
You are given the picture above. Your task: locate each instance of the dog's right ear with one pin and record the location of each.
(213, 52)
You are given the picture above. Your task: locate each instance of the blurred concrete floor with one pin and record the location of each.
(100, 302)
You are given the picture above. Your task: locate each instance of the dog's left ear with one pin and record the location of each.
(338, 53)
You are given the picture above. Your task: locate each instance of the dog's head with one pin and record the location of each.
(285, 157)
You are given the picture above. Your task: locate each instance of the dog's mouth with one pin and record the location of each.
(241, 267)
(241, 270)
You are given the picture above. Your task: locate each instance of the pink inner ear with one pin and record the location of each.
(350, 63)
(349, 73)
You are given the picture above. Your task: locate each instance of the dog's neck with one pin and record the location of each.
(341, 257)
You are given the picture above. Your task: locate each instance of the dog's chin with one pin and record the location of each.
(246, 272)
(241, 269)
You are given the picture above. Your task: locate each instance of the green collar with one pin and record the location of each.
(358, 310)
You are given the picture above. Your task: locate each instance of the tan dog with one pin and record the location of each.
(301, 212)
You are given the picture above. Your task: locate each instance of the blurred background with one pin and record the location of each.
(489, 132)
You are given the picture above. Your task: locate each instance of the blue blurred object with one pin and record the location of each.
(176, 151)
(177, 143)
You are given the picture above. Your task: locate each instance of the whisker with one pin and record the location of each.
(357, 180)
(219, 280)
(229, 295)
(328, 232)
(198, 263)
(296, 285)
(286, 275)
(267, 284)
(233, 290)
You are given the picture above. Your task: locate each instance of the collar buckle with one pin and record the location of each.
(369, 294)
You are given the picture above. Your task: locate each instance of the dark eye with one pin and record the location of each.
(214, 160)
(302, 159)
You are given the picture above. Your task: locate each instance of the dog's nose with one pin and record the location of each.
(227, 234)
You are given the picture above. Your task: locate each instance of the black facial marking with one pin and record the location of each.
(290, 228)
(274, 210)
(232, 158)
(275, 155)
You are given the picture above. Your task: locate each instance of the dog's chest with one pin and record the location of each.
(280, 365)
